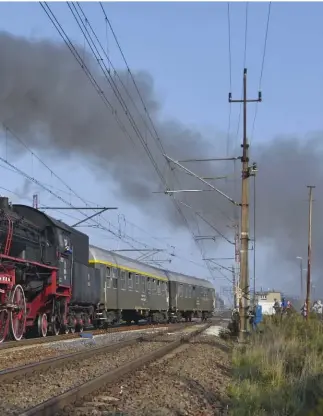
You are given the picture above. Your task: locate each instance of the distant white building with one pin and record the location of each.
(267, 300)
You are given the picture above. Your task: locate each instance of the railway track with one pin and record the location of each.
(55, 362)
(22, 387)
(49, 339)
(73, 395)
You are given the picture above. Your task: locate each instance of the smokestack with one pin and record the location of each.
(4, 203)
(35, 201)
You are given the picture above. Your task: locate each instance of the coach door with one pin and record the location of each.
(111, 283)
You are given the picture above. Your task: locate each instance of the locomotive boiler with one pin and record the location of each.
(35, 272)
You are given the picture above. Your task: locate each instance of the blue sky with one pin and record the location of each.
(184, 46)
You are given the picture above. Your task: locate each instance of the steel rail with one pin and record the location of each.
(49, 339)
(57, 403)
(55, 362)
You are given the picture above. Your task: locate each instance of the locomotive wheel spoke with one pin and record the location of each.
(18, 314)
(56, 329)
(42, 325)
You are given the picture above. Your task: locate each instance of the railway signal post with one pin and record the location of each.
(247, 171)
(309, 248)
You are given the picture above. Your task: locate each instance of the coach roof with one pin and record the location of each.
(190, 280)
(99, 255)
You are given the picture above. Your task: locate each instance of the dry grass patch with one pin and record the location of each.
(280, 372)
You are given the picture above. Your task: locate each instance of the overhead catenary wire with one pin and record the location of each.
(71, 46)
(157, 137)
(46, 188)
(120, 99)
(81, 62)
(244, 63)
(150, 119)
(93, 81)
(87, 203)
(262, 69)
(230, 78)
(114, 87)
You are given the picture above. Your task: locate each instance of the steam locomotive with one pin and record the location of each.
(53, 281)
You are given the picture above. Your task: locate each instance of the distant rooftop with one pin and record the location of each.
(266, 292)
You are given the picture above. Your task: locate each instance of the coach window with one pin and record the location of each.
(158, 288)
(137, 283)
(114, 283)
(148, 284)
(108, 276)
(130, 281)
(115, 273)
(180, 291)
(123, 280)
(143, 284)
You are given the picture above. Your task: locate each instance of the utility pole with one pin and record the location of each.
(309, 250)
(237, 259)
(301, 275)
(246, 172)
(234, 284)
(254, 239)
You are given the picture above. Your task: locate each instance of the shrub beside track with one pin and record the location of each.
(279, 373)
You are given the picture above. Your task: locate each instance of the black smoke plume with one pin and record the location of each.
(47, 100)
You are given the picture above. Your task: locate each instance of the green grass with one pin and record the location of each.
(280, 372)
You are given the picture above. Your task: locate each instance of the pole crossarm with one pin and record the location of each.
(202, 180)
(223, 258)
(215, 159)
(183, 190)
(206, 237)
(158, 261)
(214, 178)
(85, 208)
(157, 250)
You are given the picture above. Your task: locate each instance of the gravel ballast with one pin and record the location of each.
(35, 353)
(18, 395)
(192, 381)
